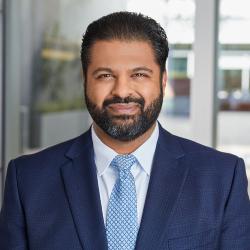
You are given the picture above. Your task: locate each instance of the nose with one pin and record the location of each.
(122, 87)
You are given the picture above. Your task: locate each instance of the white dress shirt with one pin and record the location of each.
(106, 175)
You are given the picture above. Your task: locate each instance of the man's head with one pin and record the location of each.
(123, 58)
(125, 26)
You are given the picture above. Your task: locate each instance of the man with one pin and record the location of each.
(126, 183)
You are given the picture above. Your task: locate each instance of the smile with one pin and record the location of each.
(124, 108)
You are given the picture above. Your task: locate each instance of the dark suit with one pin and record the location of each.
(197, 199)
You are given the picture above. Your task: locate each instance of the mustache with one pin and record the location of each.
(128, 99)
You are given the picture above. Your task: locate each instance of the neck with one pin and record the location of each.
(122, 147)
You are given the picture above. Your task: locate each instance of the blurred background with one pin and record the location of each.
(41, 94)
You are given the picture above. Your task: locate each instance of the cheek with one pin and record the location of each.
(96, 94)
(151, 93)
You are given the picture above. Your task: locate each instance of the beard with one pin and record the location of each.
(125, 127)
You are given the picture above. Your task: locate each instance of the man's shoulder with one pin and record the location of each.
(195, 148)
(54, 155)
(202, 154)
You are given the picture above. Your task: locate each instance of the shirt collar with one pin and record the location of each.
(144, 154)
(102, 153)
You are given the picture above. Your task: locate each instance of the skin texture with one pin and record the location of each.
(123, 69)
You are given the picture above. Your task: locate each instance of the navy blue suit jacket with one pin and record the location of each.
(197, 199)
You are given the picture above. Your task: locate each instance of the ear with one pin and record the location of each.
(164, 81)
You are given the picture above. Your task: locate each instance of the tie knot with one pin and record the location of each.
(123, 162)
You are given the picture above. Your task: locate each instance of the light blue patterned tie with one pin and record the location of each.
(121, 225)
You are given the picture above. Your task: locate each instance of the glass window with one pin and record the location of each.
(178, 67)
(248, 80)
(57, 89)
(234, 83)
(232, 80)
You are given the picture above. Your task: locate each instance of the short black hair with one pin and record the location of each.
(125, 26)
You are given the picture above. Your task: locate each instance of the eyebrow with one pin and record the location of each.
(143, 69)
(102, 69)
(109, 70)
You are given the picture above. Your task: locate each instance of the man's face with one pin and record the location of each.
(123, 90)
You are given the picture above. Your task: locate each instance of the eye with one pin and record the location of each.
(104, 76)
(139, 75)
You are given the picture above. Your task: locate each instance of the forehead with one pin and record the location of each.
(115, 52)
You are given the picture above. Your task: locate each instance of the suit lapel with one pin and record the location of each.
(166, 181)
(79, 176)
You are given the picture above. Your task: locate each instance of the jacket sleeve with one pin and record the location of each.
(12, 222)
(236, 222)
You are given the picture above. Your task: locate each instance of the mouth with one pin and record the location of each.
(124, 108)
